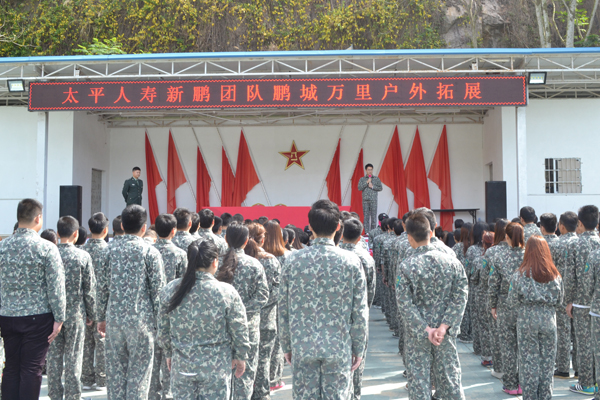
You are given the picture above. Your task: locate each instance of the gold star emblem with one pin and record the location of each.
(294, 156)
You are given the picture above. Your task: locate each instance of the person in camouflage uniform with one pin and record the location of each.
(374, 233)
(26, 257)
(594, 274)
(431, 290)
(207, 220)
(578, 297)
(95, 376)
(195, 226)
(202, 328)
(352, 230)
(564, 260)
(323, 313)
(503, 265)
(128, 292)
(459, 249)
(528, 219)
(377, 241)
(268, 314)
(247, 276)
(386, 266)
(474, 258)
(369, 185)
(175, 265)
(536, 290)
(80, 287)
(183, 238)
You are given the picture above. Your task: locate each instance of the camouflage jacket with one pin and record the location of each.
(174, 259)
(431, 289)
(554, 246)
(206, 330)
(565, 256)
(505, 261)
(80, 283)
(369, 194)
(474, 263)
(128, 293)
(387, 257)
(377, 243)
(525, 291)
(373, 234)
(460, 254)
(250, 281)
(218, 241)
(368, 265)
(268, 314)
(395, 252)
(32, 277)
(578, 287)
(438, 244)
(594, 275)
(183, 239)
(531, 230)
(282, 258)
(323, 303)
(363, 243)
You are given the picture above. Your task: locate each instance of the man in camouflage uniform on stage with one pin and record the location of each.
(80, 288)
(96, 247)
(370, 185)
(183, 238)
(128, 299)
(431, 291)
(352, 230)
(323, 314)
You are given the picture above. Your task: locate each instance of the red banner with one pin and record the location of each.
(279, 93)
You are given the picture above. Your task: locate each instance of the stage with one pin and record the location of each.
(297, 216)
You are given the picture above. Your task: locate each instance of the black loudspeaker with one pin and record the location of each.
(495, 200)
(71, 202)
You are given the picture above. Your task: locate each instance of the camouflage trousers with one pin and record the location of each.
(563, 345)
(67, 350)
(507, 328)
(358, 375)
(265, 351)
(276, 365)
(585, 355)
(129, 358)
(160, 389)
(321, 378)
(378, 299)
(93, 345)
(393, 307)
(243, 387)
(195, 388)
(472, 305)
(495, 339)
(465, 324)
(427, 363)
(386, 304)
(484, 321)
(370, 215)
(536, 331)
(595, 331)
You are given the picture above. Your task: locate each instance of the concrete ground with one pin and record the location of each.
(383, 378)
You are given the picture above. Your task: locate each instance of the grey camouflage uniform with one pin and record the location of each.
(277, 360)
(202, 336)
(377, 241)
(217, 240)
(183, 239)
(268, 327)
(530, 230)
(369, 196)
(474, 258)
(175, 263)
(489, 259)
(536, 305)
(80, 286)
(564, 324)
(578, 291)
(250, 282)
(431, 289)
(323, 318)
(373, 233)
(503, 267)
(128, 302)
(369, 269)
(94, 342)
(389, 292)
(465, 325)
(379, 280)
(594, 275)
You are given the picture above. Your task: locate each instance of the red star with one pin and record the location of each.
(294, 156)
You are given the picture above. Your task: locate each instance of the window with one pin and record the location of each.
(563, 175)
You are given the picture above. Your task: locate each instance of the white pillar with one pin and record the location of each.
(42, 162)
(521, 156)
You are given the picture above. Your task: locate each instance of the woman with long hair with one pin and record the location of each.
(473, 250)
(202, 328)
(536, 290)
(277, 246)
(268, 314)
(465, 334)
(499, 246)
(247, 276)
(504, 265)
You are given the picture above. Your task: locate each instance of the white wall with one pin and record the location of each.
(295, 186)
(561, 129)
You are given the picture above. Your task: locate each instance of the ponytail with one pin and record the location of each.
(236, 237)
(200, 255)
(256, 234)
(515, 232)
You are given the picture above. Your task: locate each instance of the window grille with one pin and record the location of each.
(563, 175)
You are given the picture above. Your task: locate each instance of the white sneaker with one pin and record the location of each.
(85, 387)
(498, 375)
(99, 388)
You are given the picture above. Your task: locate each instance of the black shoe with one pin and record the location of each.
(404, 374)
(576, 374)
(562, 375)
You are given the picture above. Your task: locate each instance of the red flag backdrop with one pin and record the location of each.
(392, 173)
(202, 183)
(334, 184)
(416, 175)
(245, 174)
(439, 173)
(227, 181)
(356, 195)
(175, 175)
(153, 177)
